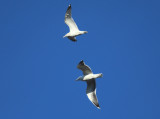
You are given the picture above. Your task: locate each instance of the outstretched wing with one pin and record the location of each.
(72, 38)
(69, 20)
(91, 92)
(85, 69)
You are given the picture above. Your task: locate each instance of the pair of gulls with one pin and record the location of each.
(88, 75)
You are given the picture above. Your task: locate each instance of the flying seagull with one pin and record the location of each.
(89, 77)
(74, 31)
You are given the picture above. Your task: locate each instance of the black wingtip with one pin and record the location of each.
(81, 62)
(69, 6)
(97, 105)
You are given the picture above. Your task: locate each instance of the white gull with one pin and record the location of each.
(89, 77)
(74, 31)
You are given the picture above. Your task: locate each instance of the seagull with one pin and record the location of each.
(74, 31)
(89, 77)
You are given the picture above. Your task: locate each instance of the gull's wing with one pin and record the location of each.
(91, 92)
(72, 38)
(69, 20)
(86, 69)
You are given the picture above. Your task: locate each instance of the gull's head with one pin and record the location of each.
(85, 32)
(82, 32)
(79, 78)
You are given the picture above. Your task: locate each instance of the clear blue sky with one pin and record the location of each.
(38, 67)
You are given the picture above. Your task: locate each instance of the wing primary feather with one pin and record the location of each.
(91, 92)
(84, 68)
(69, 20)
(72, 38)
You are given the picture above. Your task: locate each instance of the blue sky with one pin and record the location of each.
(38, 67)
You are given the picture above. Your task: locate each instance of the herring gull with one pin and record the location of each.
(89, 77)
(74, 31)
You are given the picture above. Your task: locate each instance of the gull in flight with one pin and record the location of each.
(74, 31)
(89, 77)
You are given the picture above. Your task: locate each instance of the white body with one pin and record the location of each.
(89, 77)
(73, 33)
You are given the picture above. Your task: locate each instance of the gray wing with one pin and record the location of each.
(72, 38)
(86, 69)
(91, 92)
(69, 20)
